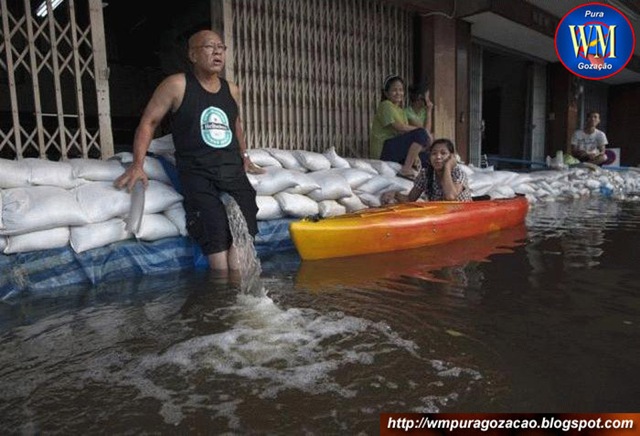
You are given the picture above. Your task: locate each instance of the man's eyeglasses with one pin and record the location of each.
(212, 48)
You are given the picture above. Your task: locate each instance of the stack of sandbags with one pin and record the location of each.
(552, 185)
(301, 183)
(46, 204)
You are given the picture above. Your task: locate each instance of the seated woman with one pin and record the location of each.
(392, 137)
(442, 180)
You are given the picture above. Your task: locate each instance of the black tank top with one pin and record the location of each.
(203, 128)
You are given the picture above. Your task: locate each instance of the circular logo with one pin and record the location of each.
(595, 41)
(214, 127)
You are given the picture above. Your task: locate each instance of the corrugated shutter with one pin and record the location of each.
(311, 71)
(55, 81)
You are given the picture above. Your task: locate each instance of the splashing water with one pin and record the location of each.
(250, 268)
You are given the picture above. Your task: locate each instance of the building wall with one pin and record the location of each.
(623, 129)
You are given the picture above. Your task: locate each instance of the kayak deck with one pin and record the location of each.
(403, 226)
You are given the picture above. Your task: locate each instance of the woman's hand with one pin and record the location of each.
(450, 163)
(427, 101)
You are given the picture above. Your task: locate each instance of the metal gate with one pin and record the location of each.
(54, 91)
(311, 71)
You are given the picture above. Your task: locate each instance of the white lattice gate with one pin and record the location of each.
(311, 71)
(54, 93)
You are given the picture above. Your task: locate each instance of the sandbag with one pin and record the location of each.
(304, 184)
(102, 201)
(162, 145)
(383, 168)
(334, 159)
(332, 186)
(152, 166)
(178, 217)
(263, 158)
(287, 159)
(354, 176)
(363, 165)
(296, 205)
(501, 192)
(328, 208)
(373, 185)
(268, 208)
(49, 173)
(156, 226)
(96, 170)
(87, 237)
(14, 174)
(43, 172)
(371, 200)
(38, 240)
(35, 208)
(275, 180)
(352, 203)
(311, 160)
(3, 243)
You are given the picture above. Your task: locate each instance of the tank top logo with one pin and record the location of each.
(214, 127)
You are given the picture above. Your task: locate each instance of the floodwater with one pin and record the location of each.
(542, 318)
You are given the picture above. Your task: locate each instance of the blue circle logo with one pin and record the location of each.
(214, 127)
(595, 41)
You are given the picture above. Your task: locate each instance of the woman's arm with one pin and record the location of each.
(450, 188)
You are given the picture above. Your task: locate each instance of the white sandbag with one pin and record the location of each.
(96, 170)
(3, 243)
(373, 185)
(49, 173)
(156, 226)
(383, 168)
(263, 158)
(1, 224)
(35, 208)
(502, 192)
(371, 200)
(162, 145)
(362, 164)
(296, 205)
(97, 235)
(332, 184)
(152, 166)
(39, 240)
(480, 182)
(14, 174)
(524, 188)
(268, 208)
(311, 160)
(102, 201)
(304, 183)
(178, 217)
(354, 176)
(274, 180)
(327, 208)
(287, 159)
(160, 197)
(353, 203)
(399, 184)
(335, 160)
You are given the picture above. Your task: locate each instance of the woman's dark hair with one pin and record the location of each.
(417, 92)
(388, 81)
(452, 149)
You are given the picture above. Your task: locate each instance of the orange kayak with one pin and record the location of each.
(403, 226)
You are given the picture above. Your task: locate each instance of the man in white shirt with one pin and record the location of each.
(588, 144)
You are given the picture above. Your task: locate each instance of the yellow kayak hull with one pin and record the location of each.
(403, 226)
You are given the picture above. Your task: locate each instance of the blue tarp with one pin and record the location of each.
(41, 271)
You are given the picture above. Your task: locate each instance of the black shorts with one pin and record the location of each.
(395, 149)
(206, 216)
